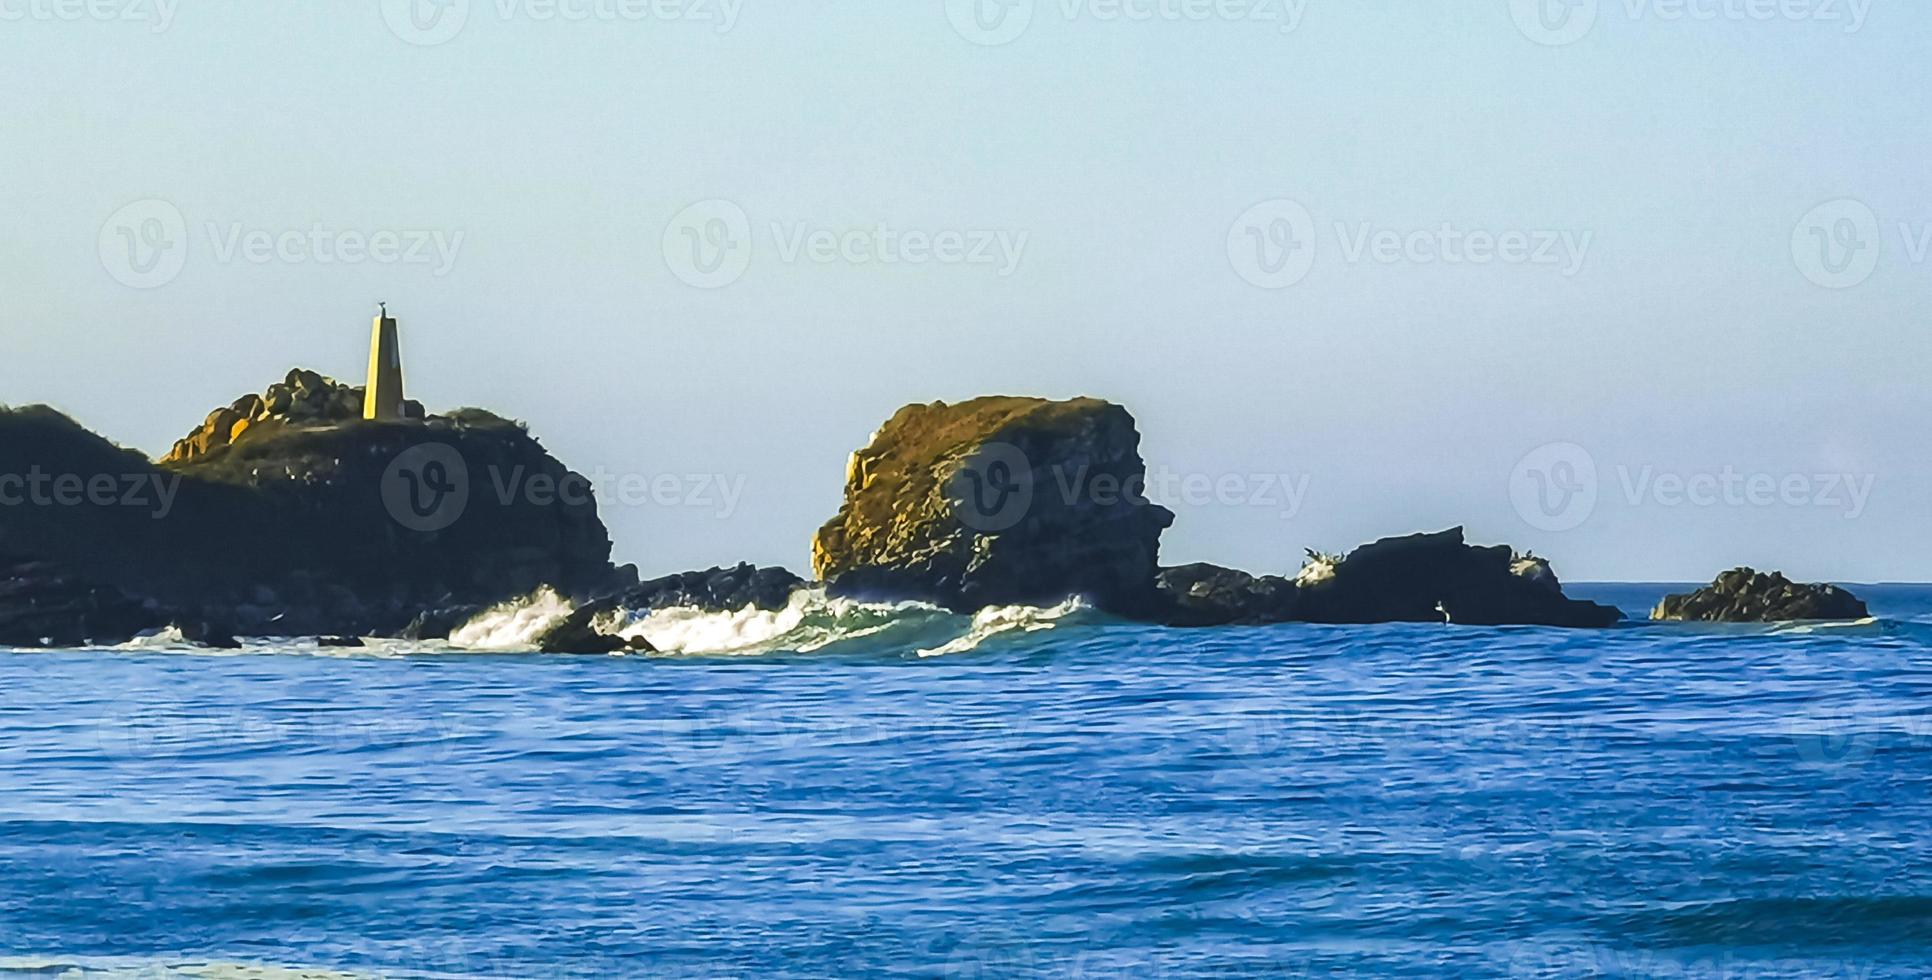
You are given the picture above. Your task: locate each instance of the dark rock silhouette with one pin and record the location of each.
(996, 501)
(1438, 578)
(717, 589)
(1209, 595)
(1745, 595)
(290, 530)
(42, 604)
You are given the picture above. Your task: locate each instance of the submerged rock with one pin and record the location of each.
(1746, 595)
(996, 501)
(589, 629)
(1438, 578)
(1209, 595)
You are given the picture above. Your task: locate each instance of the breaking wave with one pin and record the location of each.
(513, 625)
(811, 621)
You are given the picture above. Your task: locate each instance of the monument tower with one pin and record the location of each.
(383, 399)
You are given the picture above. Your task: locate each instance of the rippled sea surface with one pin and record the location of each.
(1092, 800)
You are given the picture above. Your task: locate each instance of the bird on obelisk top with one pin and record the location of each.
(383, 399)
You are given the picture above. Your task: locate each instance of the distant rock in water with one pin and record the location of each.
(996, 501)
(309, 520)
(717, 590)
(1745, 595)
(1209, 595)
(1439, 578)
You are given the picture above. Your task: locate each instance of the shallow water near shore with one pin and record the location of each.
(1062, 797)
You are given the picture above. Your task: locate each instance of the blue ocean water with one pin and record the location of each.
(1092, 800)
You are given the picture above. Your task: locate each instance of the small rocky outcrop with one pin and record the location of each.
(43, 605)
(1746, 595)
(1209, 595)
(1438, 578)
(996, 501)
(717, 589)
(591, 629)
(304, 397)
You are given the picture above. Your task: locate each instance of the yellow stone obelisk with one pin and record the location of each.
(384, 397)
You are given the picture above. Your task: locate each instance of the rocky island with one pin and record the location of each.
(316, 508)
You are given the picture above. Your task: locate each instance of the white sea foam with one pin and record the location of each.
(994, 620)
(810, 621)
(513, 625)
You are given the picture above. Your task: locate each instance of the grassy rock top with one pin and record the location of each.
(1064, 476)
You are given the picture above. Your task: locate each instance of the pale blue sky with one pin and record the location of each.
(1686, 338)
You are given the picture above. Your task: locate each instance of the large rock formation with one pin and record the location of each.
(996, 501)
(307, 524)
(1745, 595)
(1437, 578)
(43, 605)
